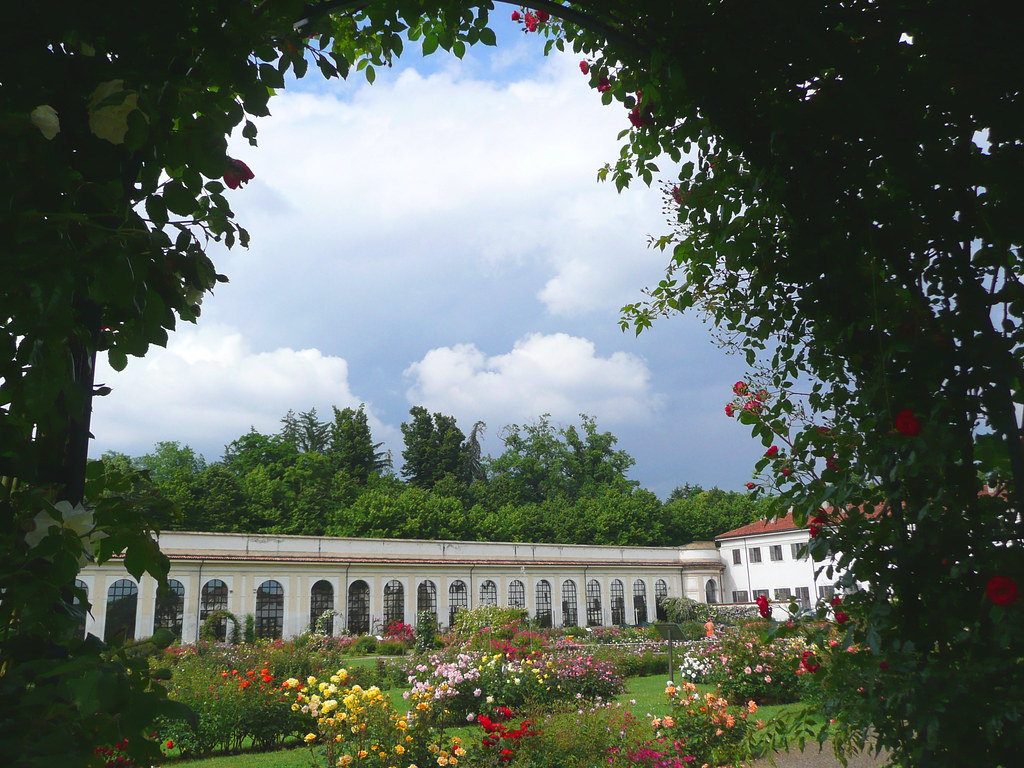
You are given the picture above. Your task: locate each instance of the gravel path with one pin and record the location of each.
(811, 757)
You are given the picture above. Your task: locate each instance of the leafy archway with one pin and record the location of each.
(848, 200)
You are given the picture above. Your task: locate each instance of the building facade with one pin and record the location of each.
(769, 558)
(287, 582)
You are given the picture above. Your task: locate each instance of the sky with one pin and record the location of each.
(440, 239)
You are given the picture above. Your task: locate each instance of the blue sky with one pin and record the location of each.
(440, 239)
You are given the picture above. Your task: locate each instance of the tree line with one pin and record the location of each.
(557, 484)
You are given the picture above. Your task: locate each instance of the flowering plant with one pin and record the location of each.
(708, 728)
(352, 724)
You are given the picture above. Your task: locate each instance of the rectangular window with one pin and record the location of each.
(760, 593)
(826, 593)
(736, 557)
(795, 549)
(783, 594)
(776, 552)
(803, 596)
(739, 596)
(754, 554)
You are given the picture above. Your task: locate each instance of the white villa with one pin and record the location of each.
(767, 558)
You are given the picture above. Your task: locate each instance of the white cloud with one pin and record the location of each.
(557, 374)
(208, 387)
(447, 178)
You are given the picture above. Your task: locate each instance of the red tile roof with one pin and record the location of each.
(762, 526)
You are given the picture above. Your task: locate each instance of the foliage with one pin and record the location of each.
(499, 623)
(683, 609)
(426, 631)
(745, 668)
(434, 447)
(234, 706)
(711, 731)
(353, 724)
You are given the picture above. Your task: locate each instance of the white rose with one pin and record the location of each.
(44, 117)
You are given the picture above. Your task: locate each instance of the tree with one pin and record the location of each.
(306, 431)
(542, 462)
(433, 448)
(352, 448)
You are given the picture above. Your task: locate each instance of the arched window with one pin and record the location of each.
(594, 617)
(79, 599)
(639, 602)
(711, 592)
(426, 598)
(394, 602)
(169, 612)
(570, 617)
(214, 597)
(359, 607)
(660, 595)
(488, 593)
(543, 603)
(516, 594)
(122, 601)
(270, 610)
(458, 599)
(618, 603)
(321, 600)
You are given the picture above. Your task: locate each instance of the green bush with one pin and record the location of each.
(498, 620)
(365, 646)
(426, 631)
(250, 629)
(209, 629)
(390, 648)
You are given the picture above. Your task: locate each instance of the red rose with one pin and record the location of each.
(773, 451)
(762, 607)
(729, 410)
(907, 424)
(237, 173)
(1002, 590)
(750, 486)
(170, 744)
(515, 16)
(786, 471)
(842, 617)
(835, 602)
(883, 665)
(543, 16)
(584, 68)
(816, 522)
(603, 85)
(740, 387)
(810, 663)
(531, 22)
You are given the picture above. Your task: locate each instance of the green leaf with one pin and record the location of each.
(156, 210)
(487, 36)
(430, 42)
(117, 359)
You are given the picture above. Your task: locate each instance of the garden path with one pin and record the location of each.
(812, 758)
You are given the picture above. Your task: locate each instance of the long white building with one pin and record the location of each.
(286, 582)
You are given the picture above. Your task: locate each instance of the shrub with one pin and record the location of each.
(351, 724)
(501, 622)
(746, 668)
(710, 730)
(390, 648)
(210, 628)
(426, 631)
(365, 646)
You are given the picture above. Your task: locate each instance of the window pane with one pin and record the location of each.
(488, 593)
(516, 594)
(569, 608)
(169, 612)
(270, 610)
(618, 603)
(359, 608)
(321, 600)
(122, 600)
(394, 602)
